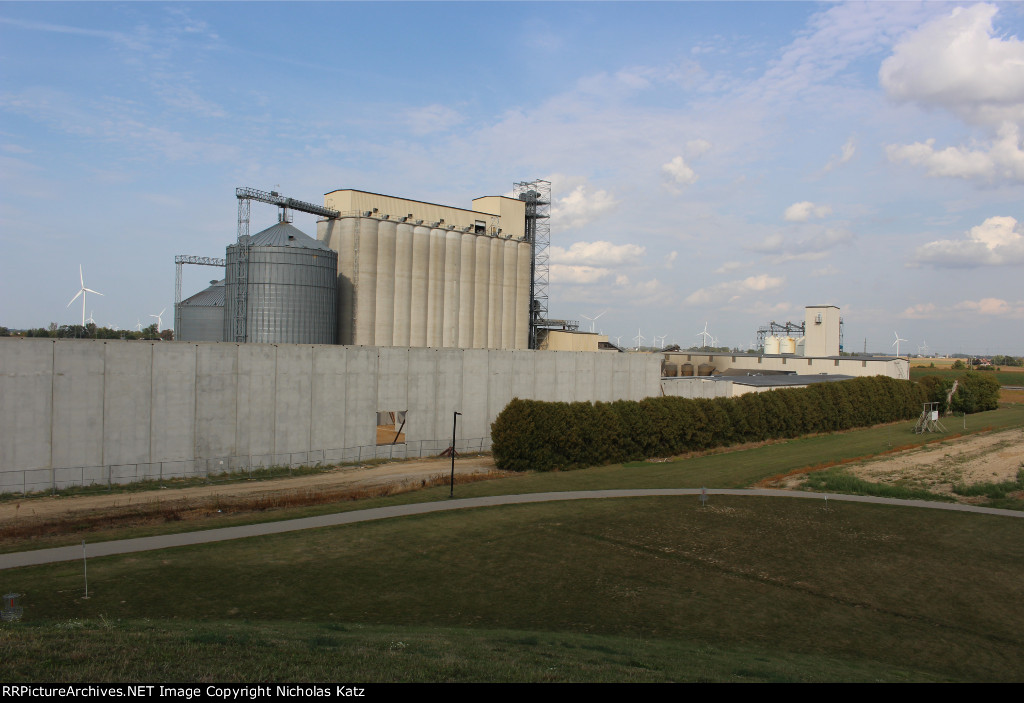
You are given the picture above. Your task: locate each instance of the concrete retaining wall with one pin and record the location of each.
(93, 411)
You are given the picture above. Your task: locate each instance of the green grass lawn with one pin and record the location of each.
(775, 589)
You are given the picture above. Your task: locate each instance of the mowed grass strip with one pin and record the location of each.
(247, 652)
(726, 468)
(931, 593)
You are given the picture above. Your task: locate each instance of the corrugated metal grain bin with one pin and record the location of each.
(291, 292)
(201, 317)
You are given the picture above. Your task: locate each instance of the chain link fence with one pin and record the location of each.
(44, 480)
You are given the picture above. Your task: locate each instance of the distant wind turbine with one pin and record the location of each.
(81, 292)
(705, 334)
(158, 319)
(639, 338)
(593, 319)
(897, 342)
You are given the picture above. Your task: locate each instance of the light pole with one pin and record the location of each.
(455, 420)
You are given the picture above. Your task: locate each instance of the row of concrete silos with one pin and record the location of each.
(405, 283)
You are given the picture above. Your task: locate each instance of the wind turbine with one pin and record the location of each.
(138, 325)
(89, 319)
(593, 319)
(704, 334)
(897, 342)
(81, 292)
(618, 341)
(639, 338)
(923, 349)
(158, 316)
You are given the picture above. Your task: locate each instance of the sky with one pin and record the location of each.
(716, 163)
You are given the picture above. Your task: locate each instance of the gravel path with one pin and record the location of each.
(142, 544)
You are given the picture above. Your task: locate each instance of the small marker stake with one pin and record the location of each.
(85, 571)
(703, 497)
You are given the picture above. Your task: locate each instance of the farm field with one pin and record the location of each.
(643, 589)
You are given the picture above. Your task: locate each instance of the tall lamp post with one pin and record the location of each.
(455, 420)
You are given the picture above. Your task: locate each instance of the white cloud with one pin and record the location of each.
(805, 210)
(730, 266)
(670, 260)
(562, 273)
(696, 147)
(826, 271)
(432, 118)
(580, 208)
(992, 306)
(679, 172)
(771, 244)
(846, 153)
(597, 254)
(733, 290)
(956, 63)
(1003, 157)
(967, 309)
(995, 242)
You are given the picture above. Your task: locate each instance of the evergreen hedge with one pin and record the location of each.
(544, 436)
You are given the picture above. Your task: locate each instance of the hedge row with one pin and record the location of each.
(543, 436)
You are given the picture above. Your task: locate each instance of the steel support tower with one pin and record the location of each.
(537, 196)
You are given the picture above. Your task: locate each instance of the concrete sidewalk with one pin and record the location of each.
(143, 544)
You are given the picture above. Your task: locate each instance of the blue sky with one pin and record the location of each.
(718, 162)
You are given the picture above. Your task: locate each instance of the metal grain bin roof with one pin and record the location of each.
(209, 298)
(285, 235)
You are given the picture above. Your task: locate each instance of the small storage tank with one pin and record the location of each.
(200, 318)
(787, 346)
(801, 345)
(291, 292)
(771, 344)
(686, 370)
(705, 369)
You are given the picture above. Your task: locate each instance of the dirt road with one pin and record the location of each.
(401, 474)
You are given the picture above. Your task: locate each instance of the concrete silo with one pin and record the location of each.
(405, 281)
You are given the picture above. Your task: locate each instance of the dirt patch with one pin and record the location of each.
(185, 503)
(974, 459)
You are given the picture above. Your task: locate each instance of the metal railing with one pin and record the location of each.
(27, 481)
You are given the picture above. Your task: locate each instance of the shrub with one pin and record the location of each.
(530, 434)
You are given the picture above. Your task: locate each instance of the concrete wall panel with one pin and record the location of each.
(26, 395)
(174, 402)
(361, 396)
(78, 403)
(294, 398)
(583, 378)
(392, 378)
(127, 403)
(604, 374)
(475, 420)
(499, 381)
(565, 375)
(524, 375)
(217, 397)
(257, 396)
(328, 391)
(422, 388)
(448, 392)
